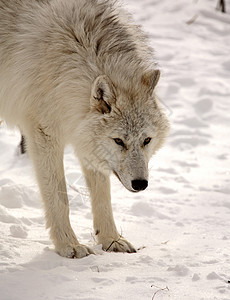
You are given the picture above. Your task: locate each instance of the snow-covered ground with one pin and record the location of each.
(181, 223)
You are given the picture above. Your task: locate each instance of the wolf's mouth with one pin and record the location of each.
(115, 173)
(131, 190)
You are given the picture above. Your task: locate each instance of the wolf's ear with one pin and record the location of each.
(102, 94)
(150, 79)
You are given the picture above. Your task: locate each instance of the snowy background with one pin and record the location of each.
(181, 223)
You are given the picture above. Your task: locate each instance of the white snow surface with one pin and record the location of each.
(181, 223)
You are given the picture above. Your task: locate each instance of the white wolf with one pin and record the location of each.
(80, 72)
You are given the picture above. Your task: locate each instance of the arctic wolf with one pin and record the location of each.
(80, 72)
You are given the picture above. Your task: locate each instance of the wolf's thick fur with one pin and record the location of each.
(80, 72)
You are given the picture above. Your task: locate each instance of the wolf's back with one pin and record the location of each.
(54, 49)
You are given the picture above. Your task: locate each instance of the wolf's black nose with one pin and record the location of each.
(139, 184)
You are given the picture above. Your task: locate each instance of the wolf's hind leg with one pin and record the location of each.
(22, 145)
(104, 225)
(46, 152)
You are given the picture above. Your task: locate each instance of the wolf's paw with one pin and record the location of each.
(75, 251)
(117, 245)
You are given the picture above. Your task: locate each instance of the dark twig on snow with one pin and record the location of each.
(160, 290)
(192, 20)
(141, 248)
(221, 6)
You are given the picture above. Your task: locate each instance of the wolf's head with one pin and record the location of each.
(124, 130)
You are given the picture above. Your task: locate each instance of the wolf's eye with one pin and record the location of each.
(119, 142)
(147, 141)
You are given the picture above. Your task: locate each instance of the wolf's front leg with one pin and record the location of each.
(104, 225)
(46, 152)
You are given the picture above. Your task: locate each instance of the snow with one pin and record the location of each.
(180, 223)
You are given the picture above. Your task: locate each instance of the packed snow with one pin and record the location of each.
(180, 224)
